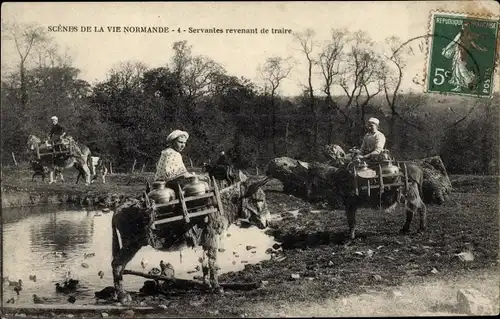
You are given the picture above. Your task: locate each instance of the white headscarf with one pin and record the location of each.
(176, 134)
(374, 121)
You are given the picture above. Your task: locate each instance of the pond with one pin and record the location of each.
(49, 241)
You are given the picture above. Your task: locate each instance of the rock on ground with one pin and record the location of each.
(472, 302)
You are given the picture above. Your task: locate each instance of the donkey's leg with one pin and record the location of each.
(350, 210)
(51, 177)
(422, 211)
(86, 173)
(62, 177)
(120, 261)
(410, 211)
(212, 266)
(204, 268)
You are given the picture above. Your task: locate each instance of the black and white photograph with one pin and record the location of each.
(250, 159)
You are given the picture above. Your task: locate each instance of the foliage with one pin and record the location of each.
(128, 116)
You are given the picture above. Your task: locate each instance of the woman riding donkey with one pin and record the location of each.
(373, 142)
(170, 165)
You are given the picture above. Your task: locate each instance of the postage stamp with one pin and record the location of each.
(462, 53)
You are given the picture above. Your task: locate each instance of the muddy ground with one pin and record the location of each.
(317, 273)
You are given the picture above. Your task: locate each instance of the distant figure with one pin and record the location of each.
(223, 159)
(373, 142)
(57, 131)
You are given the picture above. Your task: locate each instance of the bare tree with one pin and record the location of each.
(195, 78)
(392, 76)
(25, 37)
(329, 62)
(127, 75)
(274, 71)
(360, 77)
(306, 41)
(48, 54)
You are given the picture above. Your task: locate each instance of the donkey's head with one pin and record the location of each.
(33, 142)
(253, 202)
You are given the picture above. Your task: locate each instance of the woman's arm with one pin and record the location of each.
(477, 47)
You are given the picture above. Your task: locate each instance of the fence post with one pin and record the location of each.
(143, 166)
(191, 161)
(133, 166)
(14, 158)
(257, 170)
(111, 168)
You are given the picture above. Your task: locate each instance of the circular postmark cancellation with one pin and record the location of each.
(462, 54)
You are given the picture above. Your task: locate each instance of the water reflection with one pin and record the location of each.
(50, 241)
(62, 231)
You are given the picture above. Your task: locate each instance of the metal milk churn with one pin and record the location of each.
(389, 169)
(195, 187)
(160, 194)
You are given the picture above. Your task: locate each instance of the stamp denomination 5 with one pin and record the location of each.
(462, 55)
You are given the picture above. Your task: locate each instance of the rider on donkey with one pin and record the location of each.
(373, 142)
(170, 165)
(57, 132)
(223, 159)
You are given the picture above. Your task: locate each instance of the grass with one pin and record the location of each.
(348, 279)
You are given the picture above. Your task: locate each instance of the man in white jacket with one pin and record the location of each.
(373, 142)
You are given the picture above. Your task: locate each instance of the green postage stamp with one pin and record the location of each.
(462, 53)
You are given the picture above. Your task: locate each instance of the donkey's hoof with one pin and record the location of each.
(218, 290)
(404, 231)
(124, 298)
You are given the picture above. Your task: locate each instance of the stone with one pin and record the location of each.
(104, 315)
(377, 277)
(162, 306)
(295, 276)
(472, 302)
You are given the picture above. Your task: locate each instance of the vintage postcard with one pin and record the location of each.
(249, 159)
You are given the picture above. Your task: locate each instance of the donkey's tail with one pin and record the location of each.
(115, 242)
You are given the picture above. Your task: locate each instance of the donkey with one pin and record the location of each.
(340, 180)
(80, 159)
(243, 200)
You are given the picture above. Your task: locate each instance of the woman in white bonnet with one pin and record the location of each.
(170, 165)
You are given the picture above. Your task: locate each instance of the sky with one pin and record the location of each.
(94, 53)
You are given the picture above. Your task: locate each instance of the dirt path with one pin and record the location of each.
(434, 298)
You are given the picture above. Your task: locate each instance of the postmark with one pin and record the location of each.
(462, 53)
